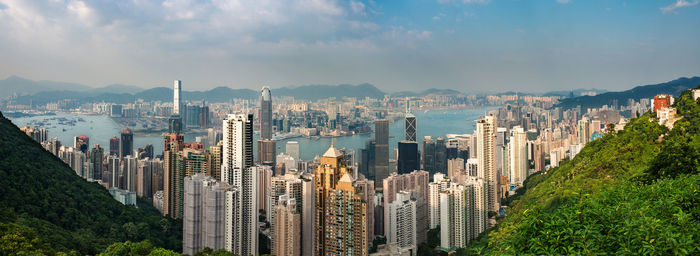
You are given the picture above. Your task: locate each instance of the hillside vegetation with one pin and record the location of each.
(632, 192)
(46, 208)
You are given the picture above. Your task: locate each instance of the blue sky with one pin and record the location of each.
(469, 45)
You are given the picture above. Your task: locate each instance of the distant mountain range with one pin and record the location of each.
(674, 88)
(23, 86)
(41, 92)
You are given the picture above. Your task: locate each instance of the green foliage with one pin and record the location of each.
(41, 194)
(631, 192)
(379, 240)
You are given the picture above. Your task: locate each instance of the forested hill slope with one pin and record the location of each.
(46, 208)
(632, 192)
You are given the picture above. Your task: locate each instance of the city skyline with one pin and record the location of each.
(467, 45)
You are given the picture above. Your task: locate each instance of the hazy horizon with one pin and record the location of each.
(466, 45)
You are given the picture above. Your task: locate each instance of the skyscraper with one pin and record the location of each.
(381, 160)
(408, 157)
(175, 124)
(429, 155)
(440, 155)
(288, 234)
(81, 143)
(486, 147)
(237, 170)
(266, 152)
(518, 156)
(177, 91)
(584, 131)
(265, 113)
(410, 127)
(172, 175)
(340, 210)
(96, 155)
(415, 182)
(127, 143)
(406, 219)
(114, 146)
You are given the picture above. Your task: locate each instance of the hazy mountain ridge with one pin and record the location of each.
(42, 92)
(674, 87)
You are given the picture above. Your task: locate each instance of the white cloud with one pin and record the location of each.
(563, 1)
(679, 4)
(358, 8)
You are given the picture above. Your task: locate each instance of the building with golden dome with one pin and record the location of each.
(341, 209)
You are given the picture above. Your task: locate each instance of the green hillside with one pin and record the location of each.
(632, 192)
(46, 208)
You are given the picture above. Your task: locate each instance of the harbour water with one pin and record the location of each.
(100, 129)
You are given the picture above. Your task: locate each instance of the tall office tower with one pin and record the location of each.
(288, 235)
(381, 160)
(237, 170)
(405, 219)
(440, 155)
(429, 155)
(292, 149)
(584, 131)
(366, 188)
(127, 143)
(112, 176)
(340, 210)
(502, 150)
(263, 184)
(114, 146)
(204, 116)
(172, 175)
(265, 114)
(486, 140)
(81, 143)
(439, 184)
(177, 91)
(214, 159)
(366, 161)
(175, 124)
(144, 174)
(266, 152)
(96, 155)
(237, 153)
(205, 213)
(408, 157)
(129, 170)
(518, 156)
(410, 127)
